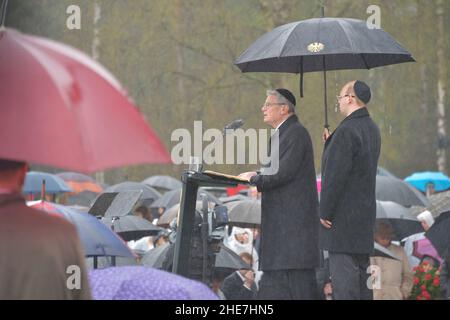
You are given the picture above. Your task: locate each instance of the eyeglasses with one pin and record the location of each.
(269, 104)
(340, 97)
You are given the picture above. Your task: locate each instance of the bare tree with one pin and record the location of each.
(441, 84)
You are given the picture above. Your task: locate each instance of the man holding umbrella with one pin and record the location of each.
(289, 206)
(347, 200)
(37, 249)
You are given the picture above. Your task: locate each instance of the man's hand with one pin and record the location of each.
(247, 175)
(327, 224)
(249, 278)
(326, 134)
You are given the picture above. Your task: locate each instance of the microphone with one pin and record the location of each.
(233, 125)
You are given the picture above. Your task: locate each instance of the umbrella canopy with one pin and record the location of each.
(115, 204)
(163, 182)
(73, 114)
(79, 182)
(148, 193)
(400, 218)
(439, 234)
(131, 227)
(440, 202)
(96, 238)
(322, 44)
(144, 283)
(420, 180)
(171, 198)
(245, 213)
(383, 172)
(53, 183)
(227, 258)
(155, 257)
(380, 251)
(396, 190)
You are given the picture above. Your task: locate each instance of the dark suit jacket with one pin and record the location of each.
(36, 248)
(289, 204)
(347, 199)
(233, 288)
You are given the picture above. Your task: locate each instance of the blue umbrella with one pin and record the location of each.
(53, 183)
(420, 180)
(144, 283)
(97, 238)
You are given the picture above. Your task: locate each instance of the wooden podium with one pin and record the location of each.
(192, 181)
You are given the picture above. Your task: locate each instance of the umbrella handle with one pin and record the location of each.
(43, 190)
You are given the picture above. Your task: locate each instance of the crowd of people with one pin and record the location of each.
(303, 249)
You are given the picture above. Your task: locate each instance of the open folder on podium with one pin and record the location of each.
(224, 176)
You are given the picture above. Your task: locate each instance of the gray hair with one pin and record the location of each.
(281, 99)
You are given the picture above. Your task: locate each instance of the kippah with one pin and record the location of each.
(287, 94)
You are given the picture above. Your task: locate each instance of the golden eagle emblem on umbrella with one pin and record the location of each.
(315, 47)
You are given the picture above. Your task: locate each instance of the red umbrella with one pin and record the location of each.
(61, 108)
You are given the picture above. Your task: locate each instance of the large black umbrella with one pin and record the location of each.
(163, 182)
(322, 44)
(439, 234)
(131, 227)
(403, 222)
(396, 190)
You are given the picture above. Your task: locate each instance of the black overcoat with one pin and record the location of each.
(289, 203)
(347, 198)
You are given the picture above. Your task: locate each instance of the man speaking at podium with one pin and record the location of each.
(289, 217)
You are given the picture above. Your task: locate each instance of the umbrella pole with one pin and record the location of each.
(95, 262)
(326, 125)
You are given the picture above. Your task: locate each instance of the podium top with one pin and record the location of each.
(213, 178)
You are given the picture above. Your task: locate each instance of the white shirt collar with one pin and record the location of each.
(281, 124)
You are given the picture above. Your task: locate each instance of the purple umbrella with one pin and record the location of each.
(144, 283)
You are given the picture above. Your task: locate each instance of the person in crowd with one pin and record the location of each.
(396, 278)
(241, 241)
(240, 285)
(426, 219)
(41, 254)
(289, 205)
(143, 212)
(347, 198)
